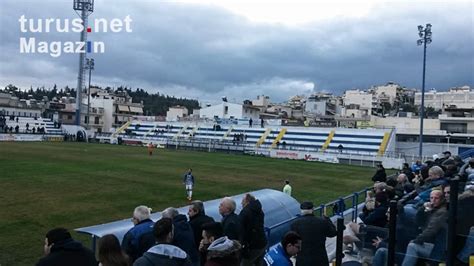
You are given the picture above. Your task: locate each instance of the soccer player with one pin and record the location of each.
(150, 149)
(188, 181)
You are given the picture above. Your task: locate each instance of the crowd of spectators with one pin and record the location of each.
(236, 240)
(422, 191)
(16, 128)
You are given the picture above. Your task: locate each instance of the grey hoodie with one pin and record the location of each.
(164, 254)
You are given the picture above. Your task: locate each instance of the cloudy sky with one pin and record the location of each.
(239, 49)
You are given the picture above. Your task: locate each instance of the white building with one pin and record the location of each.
(261, 100)
(321, 104)
(387, 93)
(230, 110)
(461, 98)
(175, 113)
(363, 99)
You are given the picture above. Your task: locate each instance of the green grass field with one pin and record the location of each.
(46, 185)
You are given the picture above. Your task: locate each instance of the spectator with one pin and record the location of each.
(380, 175)
(27, 126)
(280, 255)
(164, 253)
(465, 229)
(469, 169)
(287, 188)
(446, 158)
(340, 148)
(60, 249)
(435, 215)
(219, 250)
(416, 167)
(198, 217)
(408, 172)
(183, 236)
(377, 216)
(250, 122)
(262, 123)
(446, 192)
(435, 178)
(313, 231)
(230, 220)
(403, 186)
(253, 238)
(139, 238)
(110, 252)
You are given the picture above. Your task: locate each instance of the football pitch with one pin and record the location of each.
(46, 185)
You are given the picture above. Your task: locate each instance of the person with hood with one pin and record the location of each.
(219, 249)
(138, 239)
(164, 253)
(183, 235)
(253, 237)
(313, 231)
(380, 175)
(60, 249)
(281, 254)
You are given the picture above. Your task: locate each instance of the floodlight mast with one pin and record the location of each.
(90, 66)
(86, 7)
(425, 35)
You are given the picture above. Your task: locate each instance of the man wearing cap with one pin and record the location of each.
(446, 157)
(313, 231)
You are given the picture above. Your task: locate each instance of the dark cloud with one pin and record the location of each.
(207, 52)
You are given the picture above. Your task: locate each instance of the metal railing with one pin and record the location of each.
(338, 210)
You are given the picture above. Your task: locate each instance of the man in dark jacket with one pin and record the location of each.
(136, 241)
(253, 238)
(60, 249)
(218, 249)
(164, 253)
(380, 175)
(432, 217)
(198, 217)
(377, 216)
(313, 231)
(230, 220)
(183, 236)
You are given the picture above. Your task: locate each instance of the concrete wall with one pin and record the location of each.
(174, 114)
(233, 110)
(361, 98)
(404, 124)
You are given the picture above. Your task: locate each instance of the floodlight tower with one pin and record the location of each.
(425, 38)
(86, 7)
(90, 66)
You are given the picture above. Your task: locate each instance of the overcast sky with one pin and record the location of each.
(240, 49)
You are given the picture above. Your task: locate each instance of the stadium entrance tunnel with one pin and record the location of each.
(277, 206)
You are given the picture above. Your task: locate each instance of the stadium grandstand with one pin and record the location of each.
(403, 221)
